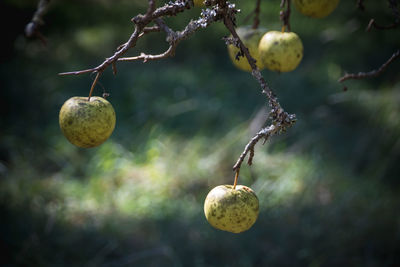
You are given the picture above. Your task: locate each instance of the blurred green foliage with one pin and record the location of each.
(328, 188)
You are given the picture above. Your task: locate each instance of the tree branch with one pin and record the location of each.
(141, 21)
(373, 73)
(32, 28)
(173, 38)
(256, 21)
(219, 10)
(395, 10)
(372, 24)
(281, 120)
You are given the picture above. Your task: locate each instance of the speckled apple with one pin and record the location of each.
(316, 8)
(232, 210)
(281, 51)
(199, 3)
(250, 38)
(87, 123)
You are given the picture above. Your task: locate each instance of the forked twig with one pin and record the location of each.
(141, 21)
(280, 119)
(219, 10)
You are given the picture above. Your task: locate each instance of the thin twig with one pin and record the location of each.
(256, 21)
(373, 73)
(372, 24)
(281, 120)
(395, 10)
(173, 38)
(219, 10)
(285, 15)
(141, 22)
(147, 57)
(32, 28)
(263, 133)
(151, 29)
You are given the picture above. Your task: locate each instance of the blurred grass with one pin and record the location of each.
(328, 188)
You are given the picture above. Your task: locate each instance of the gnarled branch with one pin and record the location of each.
(219, 10)
(281, 120)
(141, 21)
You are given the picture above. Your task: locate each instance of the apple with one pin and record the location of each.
(87, 123)
(231, 209)
(198, 3)
(280, 51)
(316, 8)
(250, 38)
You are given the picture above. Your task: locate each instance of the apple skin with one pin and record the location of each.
(199, 3)
(250, 38)
(316, 8)
(281, 51)
(232, 210)
(87, 123)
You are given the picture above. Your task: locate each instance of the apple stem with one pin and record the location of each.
(93, 85)
(285, 15)
(236, 178)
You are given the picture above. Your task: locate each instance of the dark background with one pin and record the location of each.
(328, 188)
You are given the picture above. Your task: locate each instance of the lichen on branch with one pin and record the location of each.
(217, 10)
